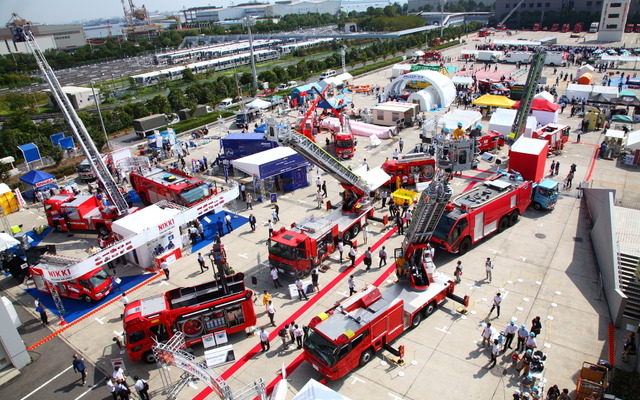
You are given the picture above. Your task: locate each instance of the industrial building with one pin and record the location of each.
(49, 37)
(434, 5)
(80, 97)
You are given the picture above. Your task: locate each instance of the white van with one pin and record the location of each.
(288, 85)
(327, 74)
(518, 56)
(225, 103)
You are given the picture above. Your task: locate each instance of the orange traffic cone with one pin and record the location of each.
(62, 321)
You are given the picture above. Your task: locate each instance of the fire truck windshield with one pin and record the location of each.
(321, 348)
(99, 278)
(344, 143)
(444, 227)
(195, 194)
(282, 250)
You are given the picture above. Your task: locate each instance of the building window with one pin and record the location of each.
(612, 5)
(598, 3)
(507, 5)
(612, 26)
(613, 16)
(539, 5)
(547, 4)
(523, 5)
(530, 5)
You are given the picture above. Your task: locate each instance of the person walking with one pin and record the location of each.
(401, 144)
(557, 167)
(249, 199)
(324, 188)
(536, 326)
(142, 387)
(495, 351)
(220, 226)
(365, 233)
(384, 196)
(43, 314)
(319, 198)
(282, 333)
(523, 334)
(123, 391)
(274, 277)
(340, 248)
(367, 258)
(252, 222)
(352, 285)
(382, 254)
(458, 272)
(270, 226)
(488, 266)
(271, 312)
(78, 366)
(352, 256)
(486, 335)
(266, 298)
(497, 299)
(400, 224)
(227, 220)
(510, 333)
(568, 180)
(111, 385)
(264, 340)
(298, 333)
(300, 288)
(553, 168)
(314, 279)
(165, 268)
(243, 191)
(203, 266)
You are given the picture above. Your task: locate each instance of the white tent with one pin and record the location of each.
(633, 140)
(418, 53)
(462, 80)
(7, 241)
(400, 69)
(583, 92)
(468, 118)
(583, 69)
(546, 96)
(314, 390)
(259, 104)
(502, 121)
(439, 90)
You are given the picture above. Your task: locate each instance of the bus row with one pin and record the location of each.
(212, 51)
(218, 64)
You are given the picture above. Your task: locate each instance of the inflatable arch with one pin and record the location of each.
(438, 89)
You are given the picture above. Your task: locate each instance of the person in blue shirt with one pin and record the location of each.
(78, 366)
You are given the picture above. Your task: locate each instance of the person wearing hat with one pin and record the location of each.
(526, 362)
(531, 341)
(477, 132)
(510, 333)
(523, 334)
(458, 133)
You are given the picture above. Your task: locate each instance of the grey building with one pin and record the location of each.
(60, 37)
(415, 5)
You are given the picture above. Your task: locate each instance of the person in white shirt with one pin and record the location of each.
(270, 226)
(486, 335)
(340, 249)
(111, 385)
(510, 332)
(141, 387)
(274, 277)
(531, 343)
(300, 288)
(488, 265)
(383, 257)
(495, 351)
(497, 299)
(352, 256)
(352, 285)
(271, 312)
(298, 334)
(264, 340)
(119, 376)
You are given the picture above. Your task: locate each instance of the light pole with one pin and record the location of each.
(249, 22)
(441, 19)
(343, 53)
(97, 101)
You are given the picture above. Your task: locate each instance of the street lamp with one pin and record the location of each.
(343, 53)
(441, 19)
(248, 22)
(97, 101)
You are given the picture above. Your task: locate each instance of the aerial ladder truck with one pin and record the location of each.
(305, 245)
(501, 26)
(520, 121)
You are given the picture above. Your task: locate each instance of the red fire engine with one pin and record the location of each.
(347, 335)
(309, 242)
(488, 207)
(409, 167)
(92, 286)
(578, 27)
(565, 27)
(84, 212)
(220, 305)
(158, 184)
(556, 134)
(489, 141)
(536, 26)
(555, 27)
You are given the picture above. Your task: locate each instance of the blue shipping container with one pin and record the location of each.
(238, 145)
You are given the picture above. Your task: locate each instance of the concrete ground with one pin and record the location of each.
(544, 266)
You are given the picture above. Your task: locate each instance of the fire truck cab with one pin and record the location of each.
(220, 305)
(412, 168)
(84, 212)
(92, 286)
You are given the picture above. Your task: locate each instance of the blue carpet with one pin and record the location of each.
(210, 229)
(38, 238)
(77, 308)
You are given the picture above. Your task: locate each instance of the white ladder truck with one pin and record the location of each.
(21, 32)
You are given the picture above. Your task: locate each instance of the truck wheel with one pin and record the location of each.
(87, 298)
(355, 230)
(346, 238)
(537, 206)
(149, 357)
(513, 218)
(429, 309)
(417, 318)
(503, 224)
(465, 245)
(58, 227)
(366, 356)
(102, 229)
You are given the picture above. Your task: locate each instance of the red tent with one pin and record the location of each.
(541, 105)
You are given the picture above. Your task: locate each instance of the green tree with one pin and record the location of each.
(158, 105)
(188, 75)
(178, 100)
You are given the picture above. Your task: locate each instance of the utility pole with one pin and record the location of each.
(343, 53)
(441, 19)
(249, 22)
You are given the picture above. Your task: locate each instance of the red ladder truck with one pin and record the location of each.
(221, 305)
(347, 335)
(307, 243)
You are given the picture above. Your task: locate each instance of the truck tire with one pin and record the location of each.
(503, 224)
(465, 245)
(346, 238)
(417, 318)
(87, 299)
(537, 206)
(149, 357)
(102, 229)
(513, 218)
(365, 357)
(430, 309)
(355, 230)
(58, 227)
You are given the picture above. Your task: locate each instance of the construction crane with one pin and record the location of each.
(504, 20)
(21, 32)
(520, 121)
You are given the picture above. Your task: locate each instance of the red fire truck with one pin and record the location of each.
(628, 28)
(156, 184)
(536, 26)
(488, 207)
(83, 212)
(489, 141)
(555, 27)
(220, 305)
(347, 335)
(566, 27)
(410, 166)
(556, 134)
(578, 27)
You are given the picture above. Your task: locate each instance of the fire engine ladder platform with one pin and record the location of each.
(429, 210)
(315, 227)
(519, 122)
(21, 32)
(365, 183)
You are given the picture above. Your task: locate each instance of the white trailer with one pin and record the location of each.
(489, 55)
(556, 59)
(523, 57)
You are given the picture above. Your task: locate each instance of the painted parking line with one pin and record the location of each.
(46, 383)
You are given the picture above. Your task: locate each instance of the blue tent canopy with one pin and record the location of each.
(304, 90)
(30, 152)
(37, 178)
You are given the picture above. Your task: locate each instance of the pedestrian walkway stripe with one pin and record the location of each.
(46, 383)
(90, 389)
(255, 349)
(617, 184)
(89, 314)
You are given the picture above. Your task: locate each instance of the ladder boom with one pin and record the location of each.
(520, 121)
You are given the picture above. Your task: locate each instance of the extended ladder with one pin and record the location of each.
(429, 210)
(520, 120)
(21, 32)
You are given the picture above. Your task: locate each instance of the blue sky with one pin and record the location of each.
(64, 11)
